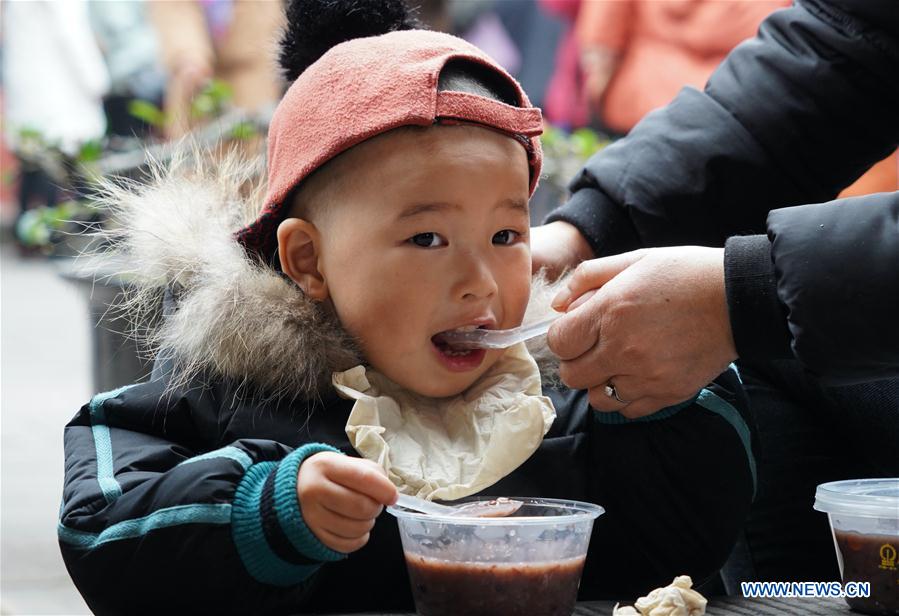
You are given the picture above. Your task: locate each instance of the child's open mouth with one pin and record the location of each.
(457, 359)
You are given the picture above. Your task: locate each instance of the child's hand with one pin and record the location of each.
(341, 497)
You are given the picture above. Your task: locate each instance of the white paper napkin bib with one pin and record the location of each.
(447, 448)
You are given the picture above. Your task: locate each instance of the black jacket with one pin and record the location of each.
(159, 515)
(789, 119)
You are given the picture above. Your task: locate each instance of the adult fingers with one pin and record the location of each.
(576, 332)
(582, 299)
(601, 400)
(593, 274)
(637, 395)
(628, 388)
(363, 476)
(630, 408)
(592, 367)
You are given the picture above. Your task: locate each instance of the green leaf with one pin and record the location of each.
(211, 100)
(202, 106)
(30, 134)
(147, 111)
(219, 90)
(30, 230)
(90, 151)
(550, 136)
(244, 130)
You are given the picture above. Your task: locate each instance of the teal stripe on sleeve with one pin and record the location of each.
(212, 513)
(287, 507)
(231, 452)
(103, 444)
(249, 537)
(718, 405)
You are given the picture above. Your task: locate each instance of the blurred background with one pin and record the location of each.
(95, 89)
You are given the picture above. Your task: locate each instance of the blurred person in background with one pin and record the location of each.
(435, 14)
(54, 80)
(231, 40)
(519, 34)
(566, 104)
(131, 51)
(624, 58)
(636, 55)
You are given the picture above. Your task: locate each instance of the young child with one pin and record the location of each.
(399, 170)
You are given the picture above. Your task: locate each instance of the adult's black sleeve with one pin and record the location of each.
(822, 284)
(789, 118)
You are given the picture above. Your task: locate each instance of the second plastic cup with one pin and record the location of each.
(864, 520)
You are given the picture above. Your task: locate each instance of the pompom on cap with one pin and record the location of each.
(364, 87)
(315, 26)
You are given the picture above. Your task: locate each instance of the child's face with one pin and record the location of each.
(431, 234)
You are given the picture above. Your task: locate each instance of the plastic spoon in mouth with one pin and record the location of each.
(498, 508)
(497, 338)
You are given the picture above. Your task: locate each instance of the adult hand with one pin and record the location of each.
(341, 497)
(558, 247)
(657, 328)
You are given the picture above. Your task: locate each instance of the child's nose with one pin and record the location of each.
(475, 277)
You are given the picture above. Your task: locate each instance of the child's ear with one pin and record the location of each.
(299, 249)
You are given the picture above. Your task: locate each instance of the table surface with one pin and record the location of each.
(738, 606)
(725, 606)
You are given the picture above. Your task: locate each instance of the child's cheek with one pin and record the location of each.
(522, 291)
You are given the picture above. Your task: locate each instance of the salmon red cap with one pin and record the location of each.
(368, 86)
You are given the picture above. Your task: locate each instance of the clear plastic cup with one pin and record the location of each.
(528, 563)
(864, 520)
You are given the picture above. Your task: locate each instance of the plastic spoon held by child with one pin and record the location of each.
(495, 508)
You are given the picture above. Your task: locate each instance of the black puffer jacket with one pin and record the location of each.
(180, 493)
(789, 119)
(172, 502)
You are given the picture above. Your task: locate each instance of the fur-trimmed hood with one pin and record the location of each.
(236, 317)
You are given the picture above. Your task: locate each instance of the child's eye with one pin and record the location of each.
(427, 240)
(506, 236)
